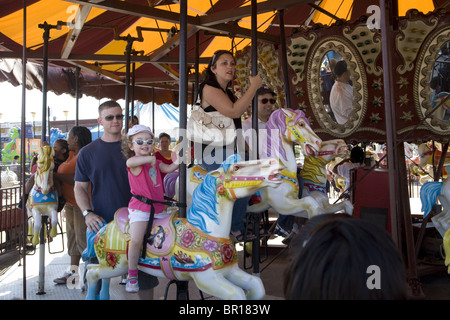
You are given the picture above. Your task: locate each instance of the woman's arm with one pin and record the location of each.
(222, 103)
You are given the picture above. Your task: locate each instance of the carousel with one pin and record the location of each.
(396, 56)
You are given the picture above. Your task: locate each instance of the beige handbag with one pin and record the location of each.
(210, 128)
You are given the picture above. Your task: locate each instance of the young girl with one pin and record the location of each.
(144, 174)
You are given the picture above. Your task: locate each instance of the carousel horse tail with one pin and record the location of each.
(428, 195)
(446, 244)
(89, 252)
(170, 181)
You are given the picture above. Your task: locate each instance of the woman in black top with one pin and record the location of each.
(216, 95)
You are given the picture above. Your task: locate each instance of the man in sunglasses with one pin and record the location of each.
(101, 180)
(266, 105)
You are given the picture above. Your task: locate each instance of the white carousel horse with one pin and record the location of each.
(9, 178)
(431, 191)
(43, 198)
(198, 247)
(284, 127)
(425, 151)
(315, 175)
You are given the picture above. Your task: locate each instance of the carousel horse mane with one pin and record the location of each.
(313, 166)
(44, 161)
(277, 121)
(206, 199)
(205, 204)
(428, 194)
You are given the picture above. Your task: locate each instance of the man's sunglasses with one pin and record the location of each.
(140, 142)
(265, 100)
(111, 117)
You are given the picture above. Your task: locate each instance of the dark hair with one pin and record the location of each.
(107, 105)
(340, 68)
(152, 237)
(264, 90)
(357, 155)
(330, 260)
(84, 135)
(163, 134)
(209, 75)
(64, 145)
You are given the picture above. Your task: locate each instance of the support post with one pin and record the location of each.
(183, 105)
(284, 65)
(400, 212)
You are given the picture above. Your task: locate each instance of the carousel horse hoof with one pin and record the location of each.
(35, 240)
(53, 232)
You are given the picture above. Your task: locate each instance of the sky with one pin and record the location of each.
(11, 105)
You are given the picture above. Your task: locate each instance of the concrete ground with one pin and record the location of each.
(435, 286)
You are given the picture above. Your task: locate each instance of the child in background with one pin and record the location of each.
(144, 174)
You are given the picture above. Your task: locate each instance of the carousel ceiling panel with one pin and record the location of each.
(97, 43)
(420, 70)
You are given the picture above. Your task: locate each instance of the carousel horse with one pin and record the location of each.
(284, 127)
(43, 198)
(315, 175)
(425, 151)
(431, 191)
(198, 247)
(446, 244)
(337, 180)
(9, 178)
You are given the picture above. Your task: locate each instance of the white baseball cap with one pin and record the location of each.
(139, 128)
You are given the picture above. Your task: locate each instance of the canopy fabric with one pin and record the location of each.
(93, 35)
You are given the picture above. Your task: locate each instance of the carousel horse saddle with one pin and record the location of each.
(162, 234)
(38, 198)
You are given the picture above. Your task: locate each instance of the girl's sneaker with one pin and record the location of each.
(132, 285)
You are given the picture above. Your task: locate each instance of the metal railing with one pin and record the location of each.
(11, 219)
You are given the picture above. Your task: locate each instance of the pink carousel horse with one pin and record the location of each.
(198, 247)
(43, 198)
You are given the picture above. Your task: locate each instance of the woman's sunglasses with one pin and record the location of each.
(265, 100)
(111, 117)
(140, 142)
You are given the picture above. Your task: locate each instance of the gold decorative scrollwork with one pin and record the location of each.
(297, 53)
(433, 114)
(368, 45)
(359, 82)
(413, 33)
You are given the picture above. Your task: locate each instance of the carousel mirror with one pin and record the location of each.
(337, 87)
(433, 86)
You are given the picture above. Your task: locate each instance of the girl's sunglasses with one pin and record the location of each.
(140, 142)
(265, 100)
(111, 117)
